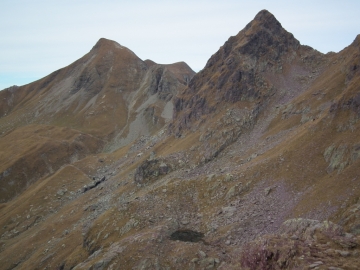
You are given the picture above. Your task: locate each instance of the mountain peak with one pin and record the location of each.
(264, 36)
(356, 41)
(265, 16)
(267, 21)
(230, 73)
(149, 62)
(103, 42)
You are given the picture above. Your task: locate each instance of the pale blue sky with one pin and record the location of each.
(39, 37)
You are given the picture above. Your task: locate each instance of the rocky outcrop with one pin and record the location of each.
(305, 244)
(162, 82)
(238, 71)
(340, 157)
(150, 170)
(94, 184)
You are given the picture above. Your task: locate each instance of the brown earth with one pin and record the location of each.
(256, 168)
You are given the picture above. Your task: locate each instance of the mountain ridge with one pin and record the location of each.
(111, 94)
(237, 65)
(252, 163)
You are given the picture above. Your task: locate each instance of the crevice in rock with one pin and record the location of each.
(94, 184)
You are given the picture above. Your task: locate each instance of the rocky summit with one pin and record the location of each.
(114, 162)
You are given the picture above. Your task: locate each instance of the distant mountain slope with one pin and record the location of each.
(94, 94)
(108, 95)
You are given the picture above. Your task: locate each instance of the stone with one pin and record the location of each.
(228, 211)
(230, 193)
(267, 191)
(61, 192)
(346, 242)
(185, 222)
(229, 177)
(151, 170)
(210, 177)
(206, 262)
(343, 253)
(202, 254)
(315, 264)
(163, 167)
(98, 265)
(152, 155)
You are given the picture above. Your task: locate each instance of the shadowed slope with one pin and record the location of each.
(246, 68)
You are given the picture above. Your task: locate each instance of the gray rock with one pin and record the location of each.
(231, 193)
(229, 177)
(210, 177)
(207, 262)
(343, 253)
(164, 169)
(99, 265)
(229, 211)
(202, 254)
(152, 155)
(185, 222)
(61, 192)
(315, 264)
(267, 191)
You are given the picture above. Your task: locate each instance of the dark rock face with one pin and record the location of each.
(89, 80)
(237, 71)
(151, 170)
(351, 100)
(195, 107)
(271, 39)
(162, 83)
(187, 236)
(155, 82)
(94, 184)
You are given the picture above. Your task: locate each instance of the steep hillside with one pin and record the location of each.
(100, 90)
(251, 164)
(109, 98)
